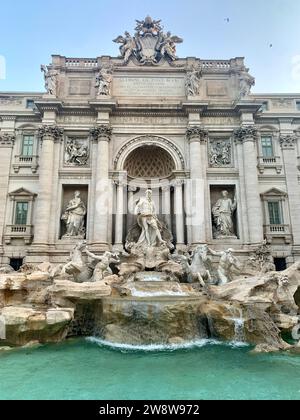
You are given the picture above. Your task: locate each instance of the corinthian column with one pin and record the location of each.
(247, 135)
(288, 144)
(195, 206)
(179, 213)
(119, 214)
(48, 135)
(101, 135)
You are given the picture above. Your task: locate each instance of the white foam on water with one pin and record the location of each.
(162, 347)
(138, 293)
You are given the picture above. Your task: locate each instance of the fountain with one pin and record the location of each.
(151, 294)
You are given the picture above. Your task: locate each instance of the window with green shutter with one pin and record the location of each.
(27, 146)
(267, 146)
(21, 213)
(275, 213)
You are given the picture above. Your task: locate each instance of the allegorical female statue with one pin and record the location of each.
(223, 215)
(74, 217)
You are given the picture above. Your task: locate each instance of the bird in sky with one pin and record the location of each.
(227, 20)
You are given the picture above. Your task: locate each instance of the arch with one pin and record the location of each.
(268, 128)
(151, 140)
(149, 162)
(28, 127)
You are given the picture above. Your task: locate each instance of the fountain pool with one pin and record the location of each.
(88, 369)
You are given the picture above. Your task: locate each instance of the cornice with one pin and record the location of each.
(49, 105)
(149, 113)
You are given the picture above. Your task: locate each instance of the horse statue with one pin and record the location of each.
(195, 267)
(200, 266)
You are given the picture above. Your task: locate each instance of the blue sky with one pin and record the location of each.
(32, 30)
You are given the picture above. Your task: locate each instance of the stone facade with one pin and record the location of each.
(109, 128)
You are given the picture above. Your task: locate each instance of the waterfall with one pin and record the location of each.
(239, 324)
(239, 336)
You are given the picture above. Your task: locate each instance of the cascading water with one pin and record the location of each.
(239, 324)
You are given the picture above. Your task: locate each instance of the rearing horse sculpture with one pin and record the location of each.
(198, 268)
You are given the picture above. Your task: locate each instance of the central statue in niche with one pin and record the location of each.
(148, 222)
(149, 241)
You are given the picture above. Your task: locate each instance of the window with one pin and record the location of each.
(298, 105)
(16, 263)
(27, 146)
(30, 104)
(264, 107)
(280, 264)
(267, 146)
(275, 213)
(21, 213)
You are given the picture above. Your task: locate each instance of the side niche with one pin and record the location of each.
(73, 219)
(224, 211)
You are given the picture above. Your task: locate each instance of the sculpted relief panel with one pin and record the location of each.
(220, 153)
(76, 152)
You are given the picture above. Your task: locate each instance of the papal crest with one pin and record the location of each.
(149, 45)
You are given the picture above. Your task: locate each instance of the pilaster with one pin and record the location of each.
(101, 135)
(247, 136)
(195, 207)
(288, 142)
(48, 135)
(7, 140)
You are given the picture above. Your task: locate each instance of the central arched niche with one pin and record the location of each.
(149, 162)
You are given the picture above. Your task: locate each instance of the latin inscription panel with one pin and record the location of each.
(148, 86)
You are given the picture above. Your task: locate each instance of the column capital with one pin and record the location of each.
(178, 182)
(246, 133)
(196, 134)
(101, 133)
(51, 132)
(7, 139)
(288, 141)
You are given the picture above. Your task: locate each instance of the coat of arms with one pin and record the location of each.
(150, 44)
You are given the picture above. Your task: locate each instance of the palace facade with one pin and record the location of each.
(107, 129)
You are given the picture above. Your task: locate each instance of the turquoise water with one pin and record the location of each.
(83, 369)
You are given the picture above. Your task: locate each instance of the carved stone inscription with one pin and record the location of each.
(217, 88)
(149, 86)
(80, 87)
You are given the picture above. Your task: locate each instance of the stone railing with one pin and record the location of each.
(18, 232)
(278, 231)
(269, 162)
(81, 62)
(25, 162)
(216, 64)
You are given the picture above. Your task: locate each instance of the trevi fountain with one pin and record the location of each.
(151, 297)
(194, 293)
